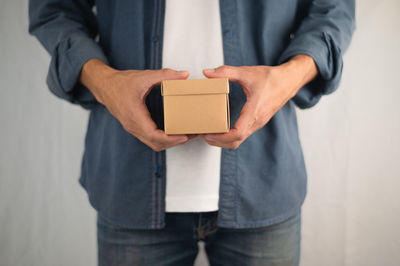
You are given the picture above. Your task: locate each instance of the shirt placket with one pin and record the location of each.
(227, 205)
(158, 158)
(227, 193)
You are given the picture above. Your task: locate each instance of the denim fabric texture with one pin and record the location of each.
(263, 181)
(177, 243)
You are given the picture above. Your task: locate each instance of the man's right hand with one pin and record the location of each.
(123, 93)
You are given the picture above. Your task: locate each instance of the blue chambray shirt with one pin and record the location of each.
(264, 180)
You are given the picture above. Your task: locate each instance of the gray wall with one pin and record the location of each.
(350, 139)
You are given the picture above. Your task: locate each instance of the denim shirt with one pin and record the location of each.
(263, 181)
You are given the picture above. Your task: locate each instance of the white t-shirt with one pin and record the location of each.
(192, 41)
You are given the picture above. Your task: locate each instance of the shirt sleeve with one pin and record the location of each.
(324, 34)
(67, 30)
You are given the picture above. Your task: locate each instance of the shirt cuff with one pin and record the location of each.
(328, 58)
(66, 64)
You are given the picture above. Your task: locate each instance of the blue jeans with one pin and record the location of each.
(176, 244)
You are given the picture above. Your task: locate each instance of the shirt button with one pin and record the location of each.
(291, 36)
(228, 34)
(154, 39)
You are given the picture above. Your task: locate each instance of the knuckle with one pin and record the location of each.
(152, 139)
(168, 71)
(153, 148)
(240, 136)
(224, 68)
(271, 70)
(234, 145)
(146, 71)
(156, 147)
(210, 143)
(128, 128)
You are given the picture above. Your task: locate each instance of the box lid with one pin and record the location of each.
(195, 86)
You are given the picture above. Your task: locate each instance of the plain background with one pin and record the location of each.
(351, 143)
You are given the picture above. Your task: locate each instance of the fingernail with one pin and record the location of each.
(209, 138)
(182, 140)
(209, 70)
(181, 72)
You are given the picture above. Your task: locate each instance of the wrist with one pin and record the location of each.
(95, 75)
(303, 67)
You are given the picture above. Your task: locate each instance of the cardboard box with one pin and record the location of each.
(196, 106)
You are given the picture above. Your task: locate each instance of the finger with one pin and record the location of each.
(232, 145)
(163, 141)
(152, 134)
(232, 73)
(155, 77)
(240, 131)
(192, 136)
(223, 138)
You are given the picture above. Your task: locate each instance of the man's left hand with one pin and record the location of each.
(267, 89)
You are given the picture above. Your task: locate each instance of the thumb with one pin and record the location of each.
(230, 72)
(156, 76)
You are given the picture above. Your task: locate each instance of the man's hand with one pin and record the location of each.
(124, 93)
(267, 89)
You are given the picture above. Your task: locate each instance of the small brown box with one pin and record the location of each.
(196, 106)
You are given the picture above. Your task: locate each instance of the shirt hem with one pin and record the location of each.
(266, 222)
(102, 213)
(230, 225)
